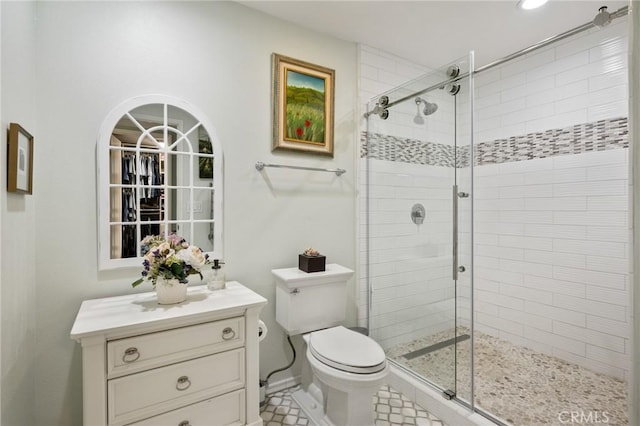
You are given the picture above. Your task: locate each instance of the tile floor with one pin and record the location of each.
(390, 406)
(517, 384)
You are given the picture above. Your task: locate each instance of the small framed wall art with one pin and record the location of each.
(303, 109)
(20, 160)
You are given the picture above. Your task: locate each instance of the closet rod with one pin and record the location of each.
(260, 165)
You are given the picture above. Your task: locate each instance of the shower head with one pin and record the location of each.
(429, 107)
(603, 18)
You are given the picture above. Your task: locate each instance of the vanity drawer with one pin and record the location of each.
(126, 356)
(223, 410)
(141, 395)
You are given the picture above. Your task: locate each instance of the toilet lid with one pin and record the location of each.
(347, 350)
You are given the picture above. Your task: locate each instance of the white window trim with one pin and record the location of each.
(105, 262)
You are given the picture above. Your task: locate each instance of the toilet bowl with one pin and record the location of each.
(348, 368)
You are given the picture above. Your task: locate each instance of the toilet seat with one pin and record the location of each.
(347, 350)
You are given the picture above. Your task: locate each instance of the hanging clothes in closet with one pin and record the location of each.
(129, 214)
(128, 168)
(141, 202)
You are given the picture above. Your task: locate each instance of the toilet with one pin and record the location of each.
(342, 369)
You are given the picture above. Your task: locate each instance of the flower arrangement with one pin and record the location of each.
(172, 258)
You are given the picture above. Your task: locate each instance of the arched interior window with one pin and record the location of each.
(159, 173)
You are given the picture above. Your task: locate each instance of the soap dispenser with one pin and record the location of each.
(217, 279)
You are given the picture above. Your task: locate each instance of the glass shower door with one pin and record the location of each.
(417, 174)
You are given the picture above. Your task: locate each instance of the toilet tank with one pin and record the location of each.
(311, 301)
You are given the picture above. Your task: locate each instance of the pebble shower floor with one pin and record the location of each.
(519, 385)
(390, 407)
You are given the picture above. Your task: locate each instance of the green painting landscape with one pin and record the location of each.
(305, 108)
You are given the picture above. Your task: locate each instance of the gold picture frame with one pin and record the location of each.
(303, 106)
(19, 159)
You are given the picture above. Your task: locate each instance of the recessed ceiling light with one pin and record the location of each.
(530, 4)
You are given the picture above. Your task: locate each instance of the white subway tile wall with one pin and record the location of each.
(552, 246)
(561, 270)
(380, 72)
(409, 265)
(551, 234)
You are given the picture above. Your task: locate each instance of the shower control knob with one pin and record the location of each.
(461, 268)
(463, 194)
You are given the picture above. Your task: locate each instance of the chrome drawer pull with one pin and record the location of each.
(130, 352)
(184, 423)
(183, 383)
(228, 333)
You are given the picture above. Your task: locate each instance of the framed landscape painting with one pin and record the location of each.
(303, 108)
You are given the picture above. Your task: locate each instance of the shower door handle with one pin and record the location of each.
(455, 233)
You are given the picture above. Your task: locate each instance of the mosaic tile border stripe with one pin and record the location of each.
(405, 150)
(601, 135)
(587, 137)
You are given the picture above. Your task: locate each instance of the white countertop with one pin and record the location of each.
(116, 314)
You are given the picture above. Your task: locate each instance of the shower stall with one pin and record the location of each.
(495, 231)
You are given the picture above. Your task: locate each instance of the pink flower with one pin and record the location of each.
(176, 240)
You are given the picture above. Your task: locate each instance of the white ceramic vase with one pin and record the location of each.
(170, 291)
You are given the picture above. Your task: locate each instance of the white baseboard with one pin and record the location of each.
(283, 384)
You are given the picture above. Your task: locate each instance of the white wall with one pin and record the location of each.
(216, 55)
(17, 214)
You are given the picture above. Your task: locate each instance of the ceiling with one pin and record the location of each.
(433, 33)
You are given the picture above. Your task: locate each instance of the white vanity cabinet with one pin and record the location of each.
(189, 364)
